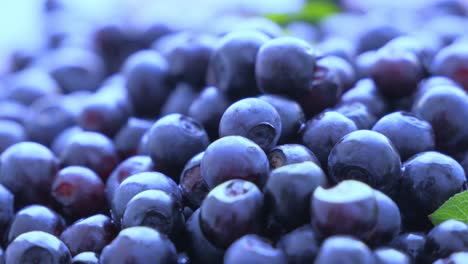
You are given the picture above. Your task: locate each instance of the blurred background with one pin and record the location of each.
(25, 23)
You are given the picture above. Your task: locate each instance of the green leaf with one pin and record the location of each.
(311, 12)
(454, 208)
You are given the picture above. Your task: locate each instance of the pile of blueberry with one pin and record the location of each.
(331, 143)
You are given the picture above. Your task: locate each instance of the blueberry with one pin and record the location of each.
(114, 44)
(285, 66)
(212, 142)
(166, 43)
(208, 108)
(409, 134)
(27, 170)
(20, 60)
(76, 69)
(464, 162)
(376, 37)
(199, 248)
(125, 169)
(31, 84)
(62, 139)
(189, 57)
(231, 210)
(35, 218)
(452, 62)
(351, 200)
(322, 132)
(6, 211)
(396, 72)
(366, 156)
(234, 157)
(325, 88)
(105, 112)
(428, 180)
(114, 84)
(234, 74)
(338, 46)
(86, 258)
(37, 247)
(173, 140)
(365, 92)
(291, 115)
(179, 100)
(287, 154)
(344, 249)
(89, 234)
(300, 245)
(431, 82)
(391, 256)
(182, 258)
(14, 111)
(156, 209)
(154, 31)
(446, 238)
(254, 249)
(139, 245)
(192, 184)
(187, 212)
(147, 82)
(92, 150)
(4, 92)
(448, 7)
(129, 136)
(412, 244)
(254, 119)
(364, 62)
(48, 117)
(388, 224)
(423, 50)
(288, 191)
(141, 182)
(79, 192)
(445, 108)
(343, 69)
(455, 258)
(74, 101)
(10, 133)
(359, 113)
